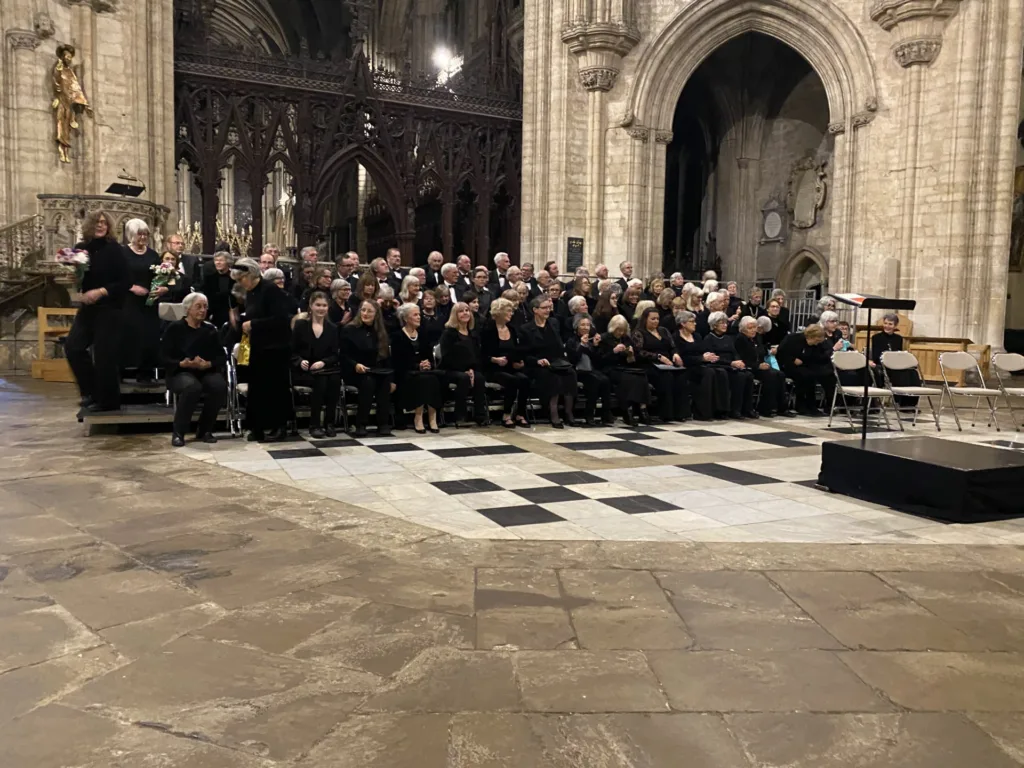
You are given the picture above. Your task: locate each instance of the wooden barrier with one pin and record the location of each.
(45, 366)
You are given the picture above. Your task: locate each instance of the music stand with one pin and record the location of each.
(126, 190)
(869, 303)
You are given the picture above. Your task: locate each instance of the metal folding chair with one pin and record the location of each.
(906, 361)
(958, 363)
(856, 361)
(1007, 364)
(236, 391)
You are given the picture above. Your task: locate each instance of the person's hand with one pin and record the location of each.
(709, 357)
(203, 365)
(543, 363)
(91, 297)
(247, 327)
(317, 366)
(233, 317)
(872, 363)
(664, 360)
(188, 362)
(619, 349)
(774, 350)
(360, 368)
(304, 365)
(471, 377)
(138, 290)
(500, 361)
(798, 361)
(162, 290)
(55, 104)
(677, 361)
(585, 339)
(518, 365)
(764, 366)
(739, 365)
(838, 345)
(346, 317)
(393, 387)
(597, 339)
(424, 365)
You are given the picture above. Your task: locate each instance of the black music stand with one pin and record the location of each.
(869, 303)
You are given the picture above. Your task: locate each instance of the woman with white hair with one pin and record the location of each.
(410, 291)
(418, 382)
(277, 277)
(343, 305)
(741, 380)
(140, 340)
(386, 301)
(267, 323)
(751, 350)
(194, 360)
(709, 384)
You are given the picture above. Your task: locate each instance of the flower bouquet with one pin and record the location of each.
(77, 261)
(163, 273)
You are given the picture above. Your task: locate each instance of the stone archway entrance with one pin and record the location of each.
(804, 270)
(821, 33)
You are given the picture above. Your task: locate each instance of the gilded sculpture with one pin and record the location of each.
(68, 100)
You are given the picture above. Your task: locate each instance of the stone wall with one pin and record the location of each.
(124, 60)
(923, 99)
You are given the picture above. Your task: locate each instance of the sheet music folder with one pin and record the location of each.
(866, 301)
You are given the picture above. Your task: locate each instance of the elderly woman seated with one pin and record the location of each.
(709, 383)
(806, 360)
(741, 379)
(715, 302)
(584, 351)
(419, 383)
(386, 300)
(194, 359)
(411, 290)
(751, 350)
(577, 308)
(617, 360)
(503, 363)
(315, 363)
(462, 364)
(343, 306)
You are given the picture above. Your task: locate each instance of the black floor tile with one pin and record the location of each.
(571, 478)
(778, 439)
(335, 442)
(626, 446)
(738, 476)
(455, 487)
(807, 483)
(646, 429)
(634, 505)
(296, 453)
(640, 449)
(633, 436)
(549, 494)
(490, 450)
(698, 433)
(499, 450)
(528, 514)
(395, 448)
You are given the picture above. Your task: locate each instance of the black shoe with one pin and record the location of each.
(752, 415)
(787, 414)
(522, 423)
(384, 432)
(570, 422)
(361, 432)
(736, 415)
(86, 401)
(557, 425)
(177, 440)
(100, 408)
(508, 424)
(434, 430)
(419, 431)
(316, 433)
(274, 436)
(255, 437)
(627, 417)
(206, 437)
(330, 431)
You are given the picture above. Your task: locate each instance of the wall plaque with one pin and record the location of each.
(573, 254)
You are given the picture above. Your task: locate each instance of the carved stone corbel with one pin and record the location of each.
(23, 39)
(598, 78)
(837, 128)
(917, 26)
(663, 137)
(43, 24)
(639, 132)
(599, 44)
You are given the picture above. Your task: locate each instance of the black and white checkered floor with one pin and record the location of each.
(720, 481)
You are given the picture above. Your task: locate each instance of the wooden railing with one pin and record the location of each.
(19, 242)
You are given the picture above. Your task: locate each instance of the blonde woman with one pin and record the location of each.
(504, 364)
(411, 291)
(461, 363)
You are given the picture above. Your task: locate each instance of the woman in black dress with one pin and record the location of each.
(140, 344)
(461, 363)
(708, 383)
(804, 358)
(607, 307)
(584, 351)
(365, 353)
(315, 365)
(431, 324)
(741, 380)
(504, 364)
(419, 384)
(267, 323)
(93, 344)
(216, 285)
(343, 306)
(552, 373)
(780, 326)
(627, 304)
(654, 347)
(617, 360)
(751, 350)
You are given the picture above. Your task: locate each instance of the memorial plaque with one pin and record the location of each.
(574, 254)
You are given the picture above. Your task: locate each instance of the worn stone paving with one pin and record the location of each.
(159, 611)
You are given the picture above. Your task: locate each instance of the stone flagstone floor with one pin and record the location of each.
(156, 610)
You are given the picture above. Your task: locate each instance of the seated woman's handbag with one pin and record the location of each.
(244, 348)
(584, 364)
(770, 359)
(561, 364)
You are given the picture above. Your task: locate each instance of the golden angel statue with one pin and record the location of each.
(68, 99)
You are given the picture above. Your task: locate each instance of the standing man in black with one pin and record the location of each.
(501, 265)
(396, 272)
(433, 269)
(97, 325)
(626, 268)
(346, 267)
(465, 271)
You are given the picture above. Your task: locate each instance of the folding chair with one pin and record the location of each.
(855, 361)
(906, 361)
(236, 391)
(1007, 364)
(959, 362)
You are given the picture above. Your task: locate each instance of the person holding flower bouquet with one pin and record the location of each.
(141, 342)
(93, 344)
(168, 284)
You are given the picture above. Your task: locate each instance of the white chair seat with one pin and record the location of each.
(303, 390)
(243, 389)
(975, 391)
(492, 385)
(872, 392)
(1015, 391)
(917, 391)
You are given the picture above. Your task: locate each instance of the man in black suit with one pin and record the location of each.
(526, 270)
(465, 266)
(450, 281)
(346, 266)
(433, 269)
(626, 268)
(396, 273)
(501, 265)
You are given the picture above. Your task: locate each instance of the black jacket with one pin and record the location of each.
(458, 352)
(359, 344)
(750, 351)
(108, 268)
(724, 347)
(541, 343)
(183, 342)
(490, 346)
(306, 346)
(269, 309)
(406, 356)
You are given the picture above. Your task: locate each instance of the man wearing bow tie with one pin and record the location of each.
(433, 270)
(396, 272)
(465, 271)
(450, 281)
(501, 264)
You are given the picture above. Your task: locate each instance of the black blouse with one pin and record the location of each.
(751, 351)
(407, 354)
(217, 289)
(491, 345)
(607, 358)
(459, 352)
(336, 313)
(359, 346)
(779, 331)
(183, 342)
(108, 268)
(269, 309)
(541, 343)
(692, 352)
(306, 346)
(724, 347)
(575, 349)
(649, 348)
(880, 342)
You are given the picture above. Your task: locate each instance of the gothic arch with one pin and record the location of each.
(792, 268)
(818, 31)
(387, 185)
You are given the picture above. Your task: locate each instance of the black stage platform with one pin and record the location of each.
(941, 479)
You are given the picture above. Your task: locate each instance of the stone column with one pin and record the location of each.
(19, 50)
(226, 207)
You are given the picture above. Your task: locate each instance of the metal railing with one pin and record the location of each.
(18, 242)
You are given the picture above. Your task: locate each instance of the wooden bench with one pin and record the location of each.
(46, 366)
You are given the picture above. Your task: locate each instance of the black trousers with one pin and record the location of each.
(710, 387)
(372, 388)
(596, 386)
(269, 404)
(190, 386)
(325, 395)
(741, 390)
(463, 388)
(515, 386)
(93, 351)
(804, 378)
(672, 389)
(773, 392)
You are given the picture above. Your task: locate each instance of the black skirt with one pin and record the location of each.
(553, 382)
